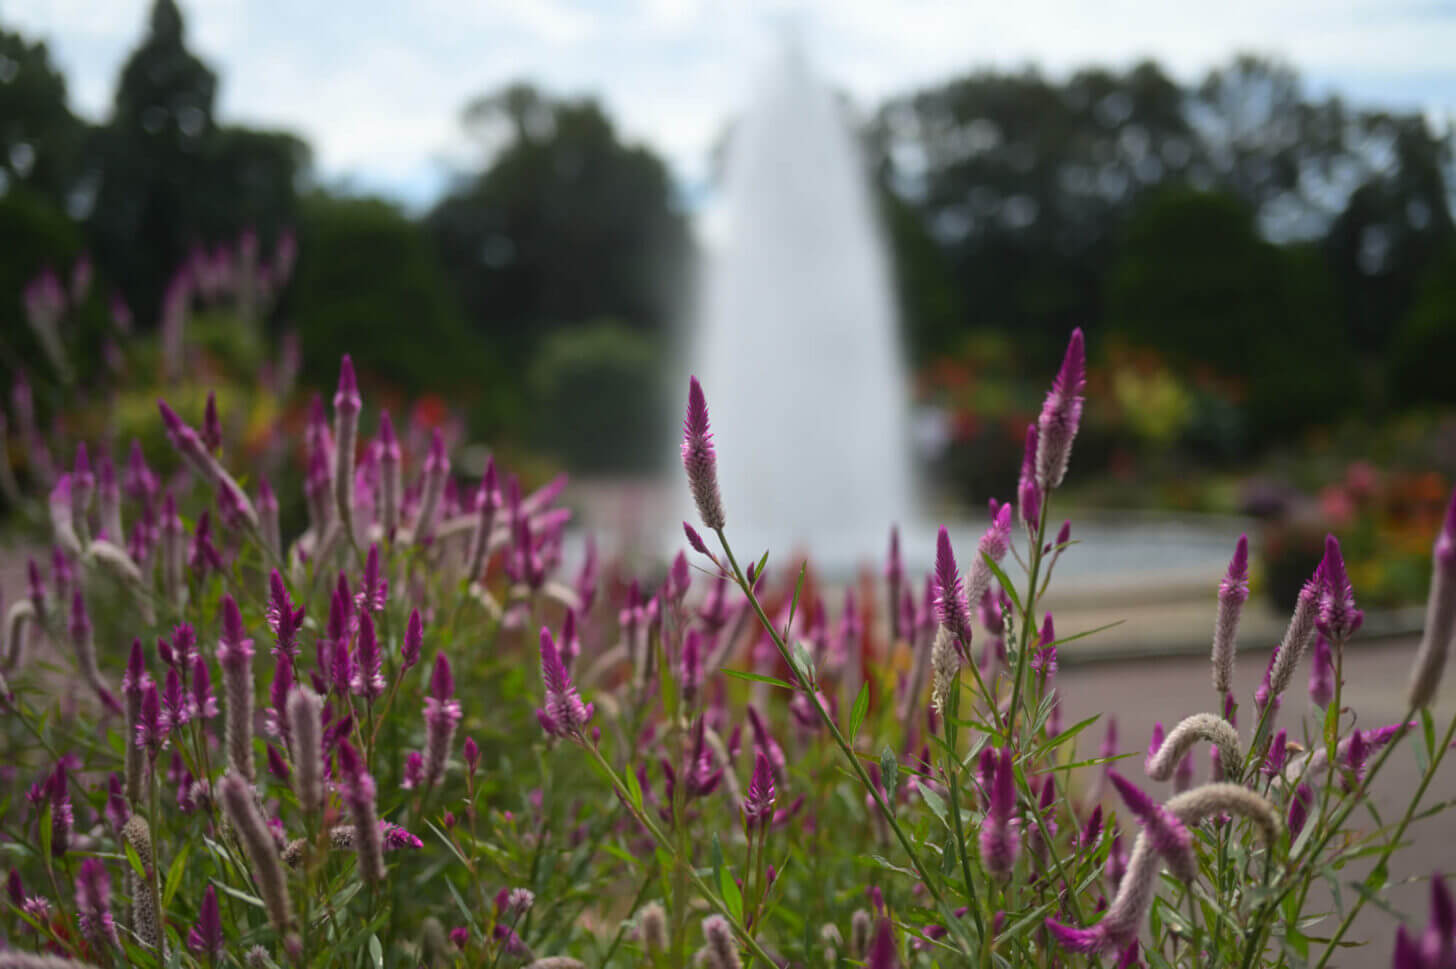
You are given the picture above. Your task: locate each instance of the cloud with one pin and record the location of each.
(377, 87)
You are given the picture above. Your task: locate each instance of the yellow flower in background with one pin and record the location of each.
(1156, 405)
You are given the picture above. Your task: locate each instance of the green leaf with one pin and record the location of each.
(803, 661)
(861, 707)
(889, 774)
(448, 842)
(732, 897)
(45, 832)
(759, 678)
(1006, 585)
(135, 860)
(634, 789)
(376, 952)
(241, 896)
(174, 875)
(798, 590)
(1428, 727)
(762, 563)
(936, 803)
(1332, 731)
(947, 860)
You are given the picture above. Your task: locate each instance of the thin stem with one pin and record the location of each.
(952, 770)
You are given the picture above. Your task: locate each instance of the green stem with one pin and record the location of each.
(952, 923)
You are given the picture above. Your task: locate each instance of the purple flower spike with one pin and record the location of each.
(563, 714)
(346, 397)
(211, 424)
(1438, 944)
(283, 619)
(358, 790)
(998, 843)
(696, 541)
(882, 954)
(470, 750)
(1233, 592)
(235, 655)
(414, 638)
(951, 607)
(93, 904)
(758, 804)
(151, 729)
(1322, 673)
(1061, 414)
(1028, 492)
(205, 938)
(1338, 617)
(442, 716)
(367, 679)
(700, 461)
(1299, 808)
(1169, 836)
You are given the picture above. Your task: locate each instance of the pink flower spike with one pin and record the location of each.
(206, 936)
(1061, 414)
(1338, 617)
(951, 607)
(563, 708)
(700, 460)
(346, 397)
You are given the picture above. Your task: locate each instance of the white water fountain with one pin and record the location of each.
(796, 340)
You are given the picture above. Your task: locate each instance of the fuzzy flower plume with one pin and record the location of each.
(1124, 917)
(1233, 592)
(432, 487)
(1170, 838)
(347, 404)
(189, 444)
(993, 545)
(719, 950)
(84, 646)
(235, 655)
(367, 678)
(951, 606)
(305, 725)
(700, 461)
(283, 618)
(146, 905)
(134, 683)
(998, 837)
(1440, 616)
(1200, 726)
(1061, 414)
(945, 664)
(442, 716)
(241, 808)
(358, 791)
(563, 713)
(1210, 800)
(1322, 673)
(391, 486)
(1338, 617)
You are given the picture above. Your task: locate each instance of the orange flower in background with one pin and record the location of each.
(429, 411)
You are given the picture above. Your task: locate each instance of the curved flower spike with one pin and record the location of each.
(1200, 726)
(1204, 802)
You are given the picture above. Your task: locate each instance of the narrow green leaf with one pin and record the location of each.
(798, 590)
(45, 831)
(732, 897)
(241, 896)
(759, 678)
(1428, 727)
(861, 707)
(1006, 584)
(448, 842)
(376, 952)
(889, 773)
(936, 803)
(1332, 731)
(174, 875)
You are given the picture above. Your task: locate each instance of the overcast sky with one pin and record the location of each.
(376, 86)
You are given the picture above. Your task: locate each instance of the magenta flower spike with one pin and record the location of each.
(175, 706)
(211, 424)
(151, 731)
(283, 618)
(1322, 673)
(205, 937)
(187, 442)
(373, 588)
(139, 482)
(679, 578)
(1299, 807)
(414, 639)
(368, 677)
(952, 609)
(63, 818)
(562, 714)
(1438, 943)
(700, 460)
(998, 841)
(1338, 617)
(93, 904)
(1028, 491)
(1233, 592)
(993, 546)
(759, 802)
(1169, 836)
(882, 953)
(1061, 414)
(442, 716)
(203, 704)
(690, 668)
